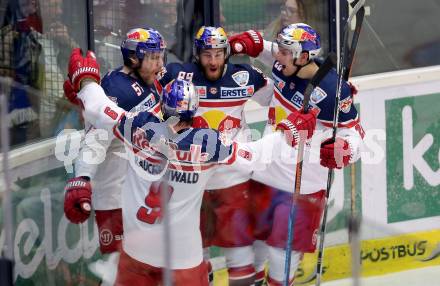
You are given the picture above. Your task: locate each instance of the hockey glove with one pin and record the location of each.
(77, 200)
(69, 93)
(81, 68)
(249, 43)
(298, 125)
(335, 154)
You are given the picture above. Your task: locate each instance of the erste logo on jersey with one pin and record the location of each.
(241, 78)
(298, 99)
(237, 92)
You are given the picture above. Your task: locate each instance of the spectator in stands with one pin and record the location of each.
(292, 11)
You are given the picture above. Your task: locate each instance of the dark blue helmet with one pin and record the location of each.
(142, 41)
(180, 99)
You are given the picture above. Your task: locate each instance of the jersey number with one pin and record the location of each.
(151, 213)
(137, 88)
(111, 113)
(185, 76)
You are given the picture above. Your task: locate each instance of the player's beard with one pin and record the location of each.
(213, 75)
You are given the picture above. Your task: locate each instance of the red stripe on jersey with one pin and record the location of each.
(285, 103)
(225, 103)
(347, 124)
(241, 272)
(156, 109)
(158, 86)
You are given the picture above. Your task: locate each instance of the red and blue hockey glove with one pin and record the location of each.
(335, 154)
(249, 43)
(298, 125)
(81, 68)
(77, 200)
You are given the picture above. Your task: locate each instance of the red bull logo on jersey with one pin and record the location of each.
(140, 141)
(193, 155)
(236, 92)
(345, 104)
(216, 119)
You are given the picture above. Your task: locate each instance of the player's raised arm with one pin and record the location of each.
(82, 87)
(259, 154)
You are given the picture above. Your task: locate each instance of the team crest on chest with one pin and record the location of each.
(292, 85)
(318, 95)
(213, 90)
(241, 78)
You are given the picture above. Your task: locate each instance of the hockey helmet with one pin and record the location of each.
(300, 38)
(211, 38)
(141, 41)
(179, 99)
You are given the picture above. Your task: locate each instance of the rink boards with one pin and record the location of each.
(396, 185)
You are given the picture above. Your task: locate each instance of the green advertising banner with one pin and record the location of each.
(413, 156)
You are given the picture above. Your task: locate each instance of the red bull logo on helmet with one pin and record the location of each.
(301, 35)
(139, 35)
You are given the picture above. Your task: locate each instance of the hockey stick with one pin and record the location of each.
(344, 68)
(328, 64)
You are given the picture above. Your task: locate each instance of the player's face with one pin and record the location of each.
(151, 66)
(213, 63)
(285, 57)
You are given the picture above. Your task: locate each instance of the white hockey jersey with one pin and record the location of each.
(103, 159)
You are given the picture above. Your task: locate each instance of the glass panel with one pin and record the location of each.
(112, 20)
(270, 16)
(410, 40)
(38, 37)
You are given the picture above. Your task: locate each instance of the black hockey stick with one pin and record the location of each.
(345, 61)
(328, 64)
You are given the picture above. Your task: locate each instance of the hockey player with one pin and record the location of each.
(132, 85)
(191, 155)
(223, 89)
(295, 51)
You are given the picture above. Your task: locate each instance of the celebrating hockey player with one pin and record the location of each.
(132, 85)
(223, 89)
(295, 51)
(191, 155)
